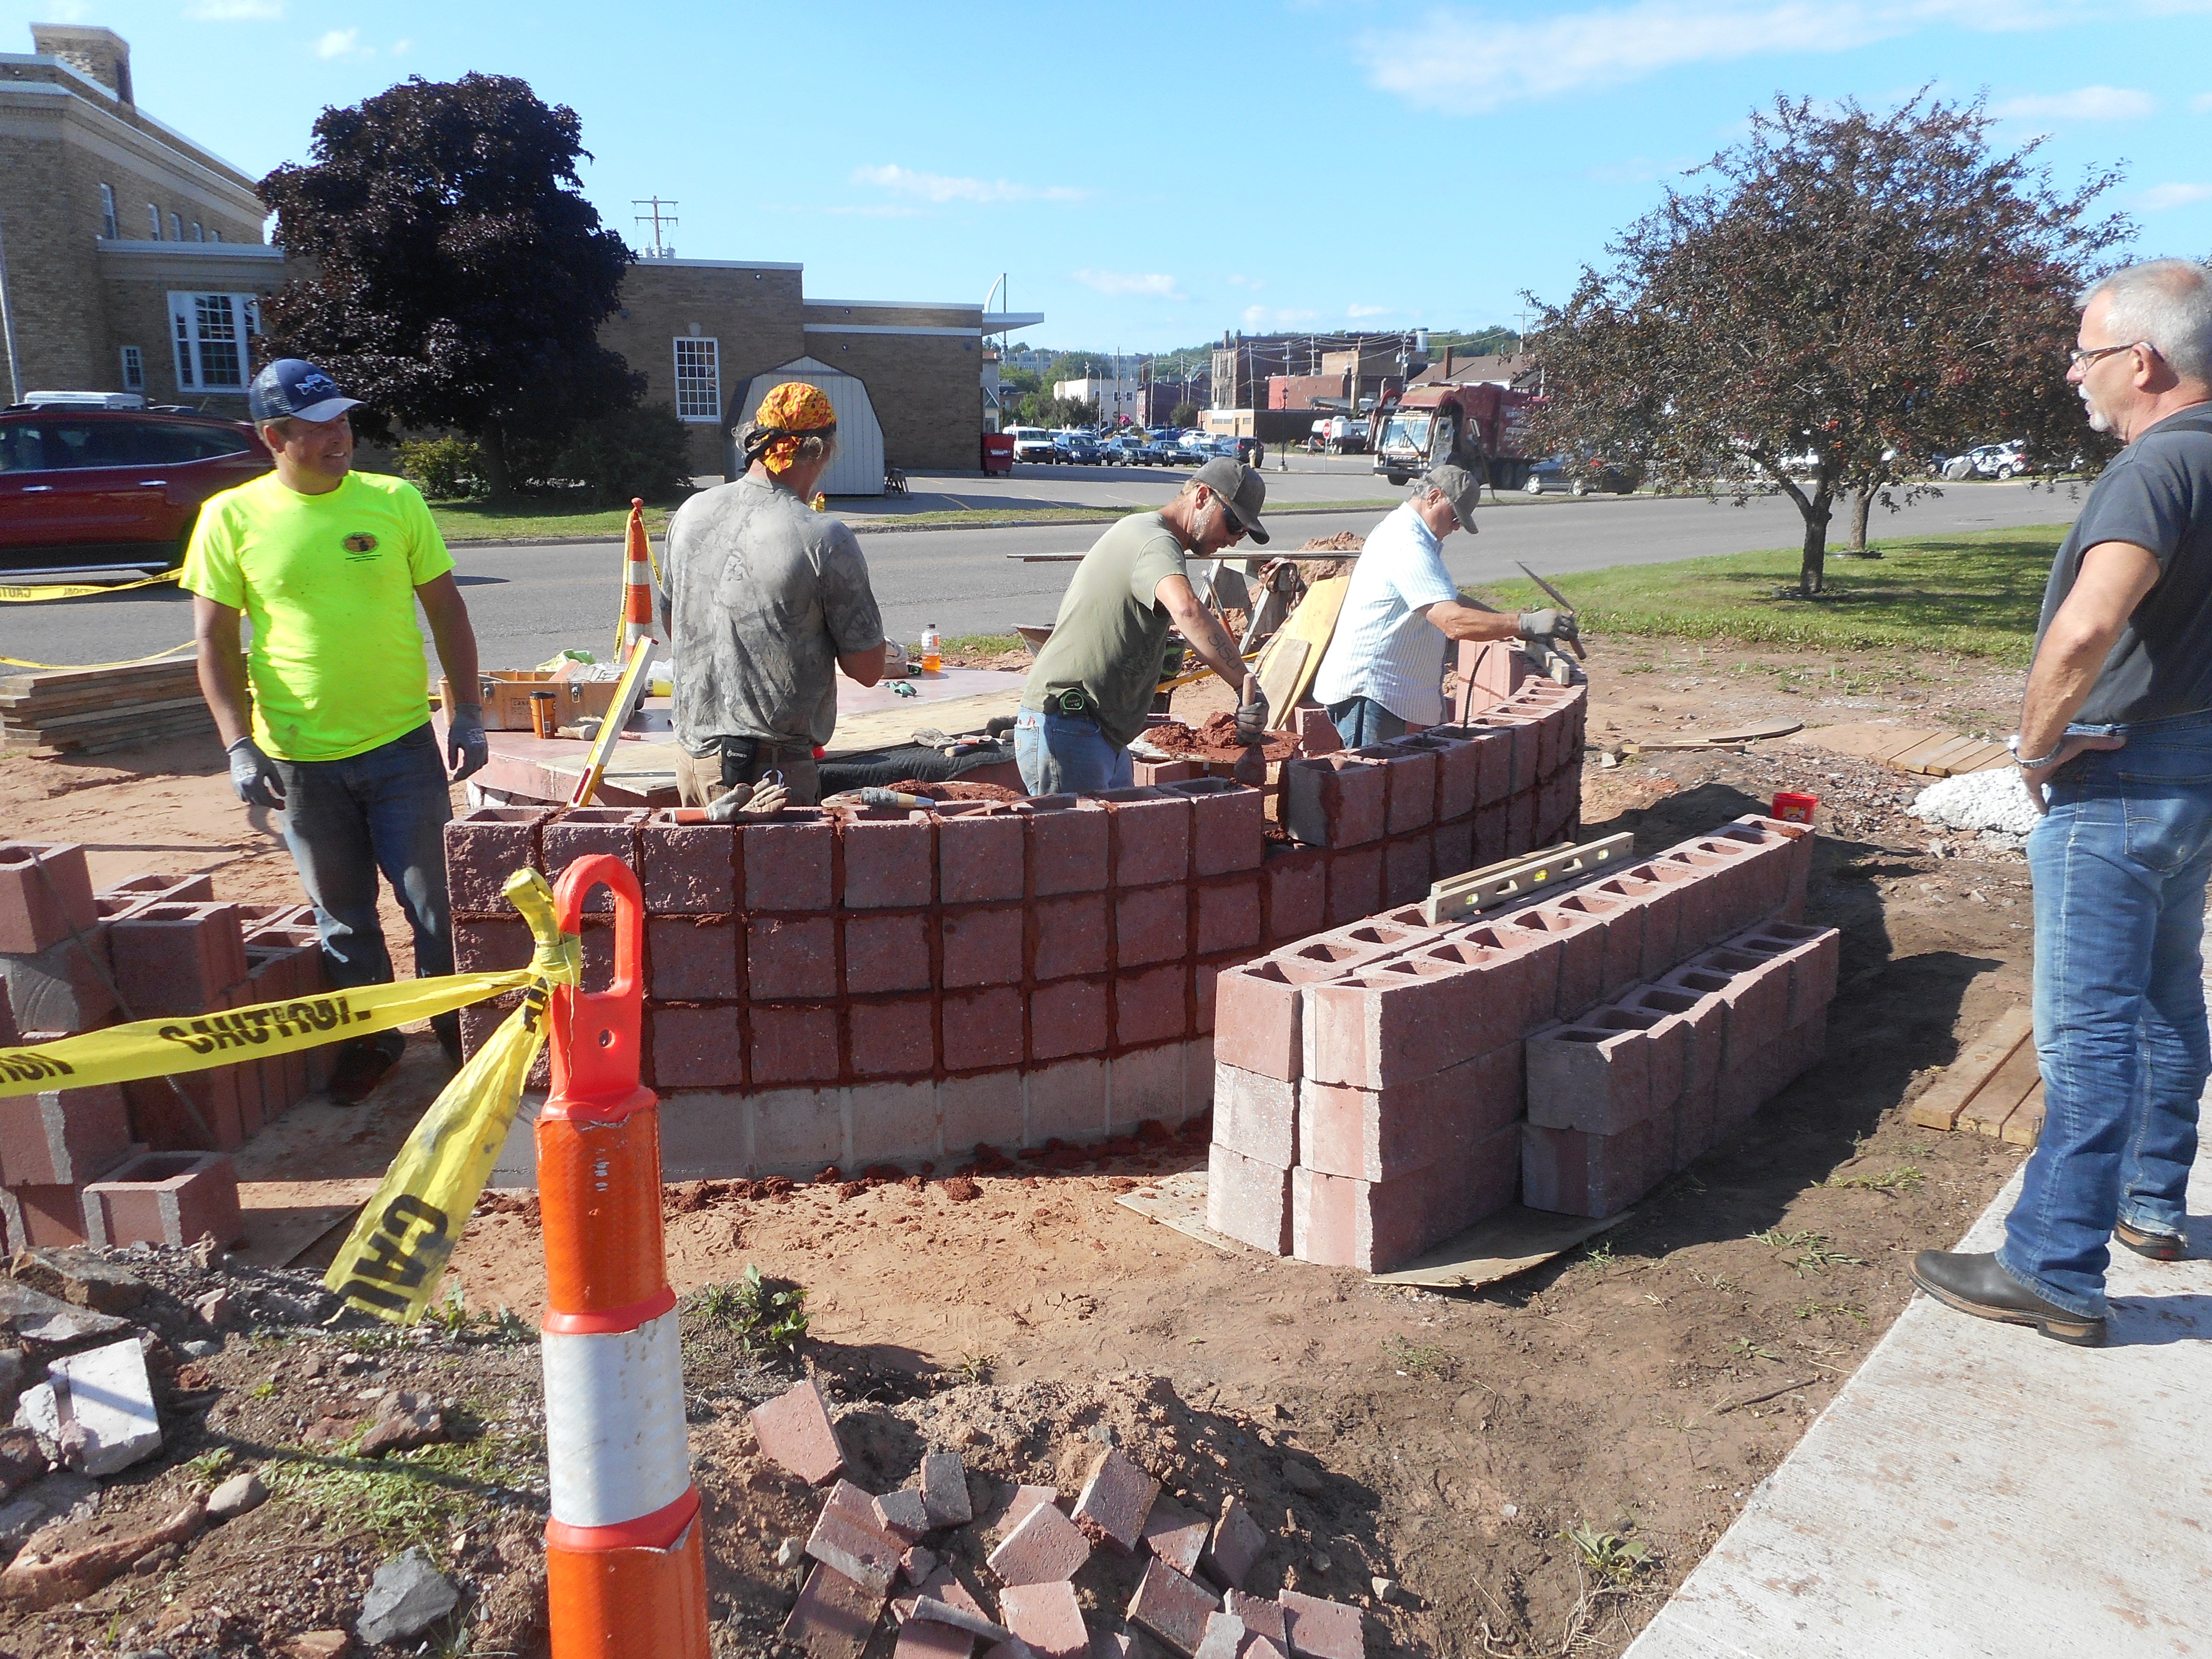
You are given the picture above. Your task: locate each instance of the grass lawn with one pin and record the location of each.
(1973, 593)
(538, 520)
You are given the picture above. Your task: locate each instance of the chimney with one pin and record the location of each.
(1448, 363)
(99, 54)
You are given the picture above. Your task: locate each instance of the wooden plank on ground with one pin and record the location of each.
(2007, 1085)
(1939, 1108)
(2025, 1127)
(1514, 880)
(1909, 757)
(1497, 1248)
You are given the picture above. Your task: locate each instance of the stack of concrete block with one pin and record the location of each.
(1369, 1093)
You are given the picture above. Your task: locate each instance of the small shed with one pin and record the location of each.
(857, 467)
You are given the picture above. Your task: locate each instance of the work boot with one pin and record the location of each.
(1978, 1286)
(2159, 1247)
(361, 1064)
(447, 1030)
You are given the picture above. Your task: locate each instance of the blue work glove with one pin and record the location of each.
(465, 749)
(255, 776)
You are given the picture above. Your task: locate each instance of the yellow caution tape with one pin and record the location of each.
(128, 662)
(20, 595)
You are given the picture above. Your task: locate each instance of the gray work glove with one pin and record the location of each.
(466, 750)
(1548, 625)
(255, 776)
(1252, 719)
(744, 797)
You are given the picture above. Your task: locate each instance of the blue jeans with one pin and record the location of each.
(2119, 867)
(1362, 720)
(1067, 754)
(344, 820)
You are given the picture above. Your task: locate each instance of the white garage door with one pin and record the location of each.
(857, 468)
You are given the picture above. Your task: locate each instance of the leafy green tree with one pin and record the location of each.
(1183, 414)
(452, 275)
(1851, 293)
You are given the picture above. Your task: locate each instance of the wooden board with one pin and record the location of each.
(1497, 1248)
(1514, 880)
(1909, 749)
(1995, 1100)
(889, 728)
(1179, 1201)
(1939, 1107)
(1282, 670)
(1314, 622)
(2025, 1127)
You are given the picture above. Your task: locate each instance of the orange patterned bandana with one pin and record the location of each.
(793, 407)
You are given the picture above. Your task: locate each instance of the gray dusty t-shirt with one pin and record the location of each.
(2157, 494)
(1112, 630)
(763, 595)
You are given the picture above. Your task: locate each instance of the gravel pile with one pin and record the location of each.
(1995, 802)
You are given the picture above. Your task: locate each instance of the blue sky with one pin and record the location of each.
(1150, 174)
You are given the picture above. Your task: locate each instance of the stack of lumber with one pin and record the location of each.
(1994, 1088)
(89, 710)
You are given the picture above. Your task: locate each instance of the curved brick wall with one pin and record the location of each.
(856, 988)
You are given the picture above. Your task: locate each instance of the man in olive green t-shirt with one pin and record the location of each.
(1094, 680)
(329, 564)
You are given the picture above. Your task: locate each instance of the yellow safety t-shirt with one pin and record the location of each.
(329, 584)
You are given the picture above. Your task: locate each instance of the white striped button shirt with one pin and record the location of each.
(1383, 646)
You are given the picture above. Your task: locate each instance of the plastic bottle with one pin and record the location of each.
(932, 649)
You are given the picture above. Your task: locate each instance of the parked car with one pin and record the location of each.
(1078, 448)
(84, 486)
(1557, 472)
(1122, 449)
(2000, 461)
(1034, 445)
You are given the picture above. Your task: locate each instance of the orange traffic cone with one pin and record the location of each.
(639, 619)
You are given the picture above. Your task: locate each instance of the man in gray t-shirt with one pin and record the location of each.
(766, 599)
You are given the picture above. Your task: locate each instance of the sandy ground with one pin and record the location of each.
(1638, 1387)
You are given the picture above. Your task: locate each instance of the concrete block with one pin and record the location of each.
(1581, 937)
(1172, 1607)
(834, 1616)
(1066, 1102)
(1236, 1546)
(890, 864)
(1145, 1083)
(788, 863)
(695, 1047)
(891, 1122)
(1176, 1535)
(692, 958)
(796, 1043)
(161, 1119)
(1151, 1005)
(1380, 1134)
(795, 1430)
(104, 1401)
(1323, 1630)
(575, 832)
(1227, 914)
(1151, 924)
(1247, 1201)
(62, 1137)
(1256, 1016)
(165, 1198)
(1294, 891)
(490, 943)
(483, 848)
(1571, 1173)
(1071, 936)
(706, 1135)
(981, 859)
(981, 1109)
(1758, 994)
(688, 869)
(31, 1216)
(1401, 1019)
(45, 893)
(797, 1132)
(1459, 773)
(891, 1037)
(1355, 883)
(1047, 1619)
(1814, 955)
(1455, 847)
(1068, 842)
(984, 1029)
(1149, 831)
(1590, 1077)
(791, 958)
(1228, 825)
(1335, 801)
(1256, 1115)
(1116, 1497)
(1069, 1017)
(982, 946)
(1408, 866)
(1410, 785)
(1046, 1548)
(886, 951)
(1374, 1226)
(177, 958)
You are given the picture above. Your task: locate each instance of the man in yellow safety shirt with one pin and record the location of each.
(329, 564)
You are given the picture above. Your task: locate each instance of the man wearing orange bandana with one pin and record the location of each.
(766, 600)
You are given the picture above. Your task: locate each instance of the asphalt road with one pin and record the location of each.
(530, 601)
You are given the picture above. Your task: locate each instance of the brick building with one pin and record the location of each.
(132, 259)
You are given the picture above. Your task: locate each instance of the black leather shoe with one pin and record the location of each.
(1976, 1284)
(359, 1067)
(2159, 1247)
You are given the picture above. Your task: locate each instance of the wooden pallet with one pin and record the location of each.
(1514, 880)
(1931, 754)
(90, 710)
(1992, 1089)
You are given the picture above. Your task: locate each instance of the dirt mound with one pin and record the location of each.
(956, 791)
(1344, 541)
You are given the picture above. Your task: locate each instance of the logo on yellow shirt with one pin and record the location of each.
(360, 542)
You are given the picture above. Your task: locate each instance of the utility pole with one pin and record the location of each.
(659, 221)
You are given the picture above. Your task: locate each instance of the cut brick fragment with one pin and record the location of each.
(916, 1565)
(1223, 1637)
(1321, 1629)
(944, 1490)
(1048, 1618)
(903, 1514)
(1176, 1535)
(1261, 1617)
(794, 1429)
(165, 1198)
(925, 1638)
(847, 1537)
(1172, 1607)
(1238, 1544)
(1115, 1498)
(834, 1616)
(1046, 1547)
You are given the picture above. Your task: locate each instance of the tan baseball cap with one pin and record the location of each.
(1244, 493)
(1461, 488)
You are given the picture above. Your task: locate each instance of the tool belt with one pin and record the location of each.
(745, 759)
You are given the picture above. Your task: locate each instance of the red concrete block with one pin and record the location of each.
(1149, 831)
(1593, 1076)
(133, 891)
(1814, 955)
(1256, 1115)
(1336, 801)
(483, 848)
(1571, 1173)
(1045, 1548)
(1400, 1020)
(983, 1030)
(1152, 1004)
(1492, 829)
(1255, 1014)
(64, 987)
(1800, 856)
(1294, 891)
(1071, 937)
(981, 858)
(1459, 773)
(177, 958)
(788, 863)
(1410, 785)
(834, 1616)
(162, 1121)
(1492, 762)
(1247, 1201)
(1581, 937)
(63, 1137)
(890, 864)
(1172, 1607)
(696, 1048)
(1757, 994)
(1341, 1222)
(892, 1037)
(1370, 1134)
(32, 1216)
(575, 832)
(1455, 848)
(1227, 914)
(1115, 1500)
(1151, 924)
(1068, 1017)
(491, 943)
(45, 891)
(789, 958)
(1516, 732)
(165, 1198)
(1355, 883)
(981, 947)
(688, 869)
(794, 1429)
(1047, 1619)
(1228, 825)
(1657, 889)
(1620, 920)
(1147, 774)
(1236, 1546)
(1774, 854)
(1323, 1630)
(885, 953)
(692, 959)
(1317, 733)
(793, 1045)
(1067, 844)
(1408, 866)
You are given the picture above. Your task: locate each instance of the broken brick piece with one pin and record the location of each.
(1236, 1546)
(794, 1430)
(1115, 1498)
(1047, 1617)
(903, 1514)
(925, 1638)
(1172, 1607)
(1264, 1647)
(847, 1538)
(834, 1616)
(1046, 1547)
(1223, 1637)
(1323, 1630)
(1261, 1617)
(1024, 1500)
(944, 1490)
(1176, 1535)
(917, 1564)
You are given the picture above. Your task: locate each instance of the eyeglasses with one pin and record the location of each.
(2080, 359)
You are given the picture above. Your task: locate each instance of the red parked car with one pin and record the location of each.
(91, 487)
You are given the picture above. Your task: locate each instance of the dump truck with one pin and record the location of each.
(1478, 424)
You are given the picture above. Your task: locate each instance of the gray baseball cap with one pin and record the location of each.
(1461, 488)
(1244, 493)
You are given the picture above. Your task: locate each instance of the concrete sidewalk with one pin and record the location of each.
(1977, 1489)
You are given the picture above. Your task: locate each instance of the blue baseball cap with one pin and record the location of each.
(294, 387)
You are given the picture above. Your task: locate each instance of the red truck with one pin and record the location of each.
(1478, 424)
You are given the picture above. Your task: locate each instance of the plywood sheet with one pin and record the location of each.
(1497, 1248)
(1179, 1201)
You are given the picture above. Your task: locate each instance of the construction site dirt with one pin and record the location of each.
(1535, 1465)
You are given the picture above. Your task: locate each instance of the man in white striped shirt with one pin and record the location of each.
(1383, 673)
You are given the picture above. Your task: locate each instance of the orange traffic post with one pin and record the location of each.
(626, 1565)
(638, 621)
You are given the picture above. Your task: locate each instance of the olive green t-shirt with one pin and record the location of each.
(1112, 630)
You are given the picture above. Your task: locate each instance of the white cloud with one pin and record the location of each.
(342, 43)
(2201, 103)
(940, 188)
(1252, 283)
(1465, 59)
(1367, 311)
(2158, 198)
(1149, 285)
(1274, 317)
(2083, 104)
(234, 11)
(401, 48)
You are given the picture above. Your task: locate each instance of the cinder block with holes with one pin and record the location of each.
(1369, 1134)
(1149, 831)
(1227, 827)
(1067, 844)
(1340, 1221)
(1336, 801)
(575, 832)
(45, 893)
(1400, 1020)
(177, 958)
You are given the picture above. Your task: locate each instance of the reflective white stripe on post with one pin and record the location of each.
(614, 1423)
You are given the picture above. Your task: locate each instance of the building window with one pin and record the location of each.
(214, 236)
(198, 235)
(209, 332)
(698, 380)
(153, 222)
(134, 369)
(176, 228)
(108, 227)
